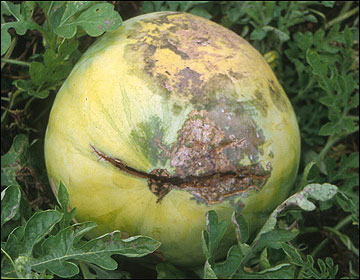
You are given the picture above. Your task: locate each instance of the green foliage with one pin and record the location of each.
(327, 270)
(46, 244)
(312, 47)
(22, 14)
(328, 85)
(238, 263)
(65, 23)
(200, 8)
(63, 19)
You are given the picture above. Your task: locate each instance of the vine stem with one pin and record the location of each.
(11, 260)
(9, 51)
(341, 224)
(329, 143)
(14, 61)
(319, 247)
(85, 270)
(12, 98)
(342, 17)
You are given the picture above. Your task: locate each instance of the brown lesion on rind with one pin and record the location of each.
(206, 158)
(218, 187)
(159, 183)
(210, 146)
(219, 134)
(211, 188)
(188, 79)
(201, 147)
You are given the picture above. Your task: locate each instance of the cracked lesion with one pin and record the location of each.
(211, 188)
(216, 187)
(158, 183)
(206, 158)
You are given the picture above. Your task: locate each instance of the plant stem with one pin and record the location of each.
(342, 17)
(14, 61)
(28, 103)
(345, 8)
(12, 98)
(309, 230)
(9, 51)
(319, 247)
(301, 92)
(330, 142)
(6, 254)
(341, 224)
(85, 271)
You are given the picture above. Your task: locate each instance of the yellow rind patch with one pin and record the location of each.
(186, 54)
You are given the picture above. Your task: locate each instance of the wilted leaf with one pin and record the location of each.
(301, 199)
(208, 271)
(14, 160)
(10, 203)
(214, 234)
(241, 227)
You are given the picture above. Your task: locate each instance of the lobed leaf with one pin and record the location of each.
(319, 67)
(22, 14)
(95, 20)
(327, 268)
(232, 263)
(60, 251)
(37, 227)
(344, 171)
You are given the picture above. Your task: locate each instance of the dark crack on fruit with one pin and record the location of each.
(211, 187)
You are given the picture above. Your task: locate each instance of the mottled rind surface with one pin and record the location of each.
(180, 97)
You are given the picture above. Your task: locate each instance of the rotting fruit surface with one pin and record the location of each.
(164, 119)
